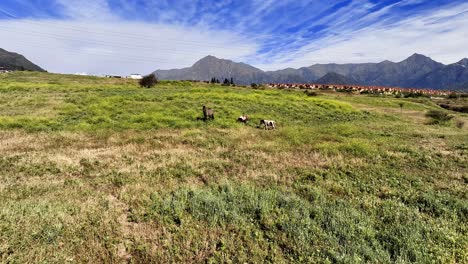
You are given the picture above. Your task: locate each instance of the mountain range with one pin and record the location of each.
(13, 62)
(417, 71)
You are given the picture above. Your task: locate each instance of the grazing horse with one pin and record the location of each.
(208, 113)
(268, 124)
(243, 119)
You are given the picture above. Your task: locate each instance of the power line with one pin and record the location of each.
(109, 56)
(179, 51)
(105, 43)
(185, 42)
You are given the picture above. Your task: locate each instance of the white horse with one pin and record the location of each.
(268, 124)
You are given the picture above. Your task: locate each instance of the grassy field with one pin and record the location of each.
(100, 170)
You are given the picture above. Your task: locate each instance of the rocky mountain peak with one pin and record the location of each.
(419, 59)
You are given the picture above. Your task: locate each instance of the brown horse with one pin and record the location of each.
(208, 113)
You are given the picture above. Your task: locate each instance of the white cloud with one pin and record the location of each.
(440, 35)
(96, 41)
(110, 47)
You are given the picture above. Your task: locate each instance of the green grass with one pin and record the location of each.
(100, 170)
(87, 106)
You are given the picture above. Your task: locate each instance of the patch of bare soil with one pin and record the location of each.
(126, 228)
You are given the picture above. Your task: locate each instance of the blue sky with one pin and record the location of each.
(124, 36)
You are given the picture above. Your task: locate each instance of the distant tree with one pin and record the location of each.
(232, 81)
(217, 81)
(226, 82)
(213, 80)
(254, 85)
(149, 81)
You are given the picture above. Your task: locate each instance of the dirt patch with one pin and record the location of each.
(126, 228)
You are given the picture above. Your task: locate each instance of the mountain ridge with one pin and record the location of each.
(416, 71)
(13, 61)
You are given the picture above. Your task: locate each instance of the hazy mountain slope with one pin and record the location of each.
(453, 76)
(291, 75)
(14, 61)
(461, 86)
(417, 66)
(335, 78)
(385, 73)
(343, 69)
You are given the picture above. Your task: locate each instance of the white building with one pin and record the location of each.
(82, 73)
(135, 76)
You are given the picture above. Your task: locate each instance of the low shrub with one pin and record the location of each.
(413, 95)
(311, 93)
(438, 117)
(149, 81)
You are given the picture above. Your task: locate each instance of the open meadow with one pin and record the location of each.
(99, 170)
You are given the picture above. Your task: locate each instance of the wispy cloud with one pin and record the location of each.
(439, 34)
(72, 46)
(97, 10)
(92, 39)
(122, 36)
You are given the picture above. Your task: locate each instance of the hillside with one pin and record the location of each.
(402, 74)
(99, 170)
(335, 78)
(13, 61)
(462, 86)
(417, 71)
(453, 76)
(210, 67)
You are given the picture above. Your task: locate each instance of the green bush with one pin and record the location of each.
(149, 81)
(438, 117)
(311, 93)
(413, 95)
